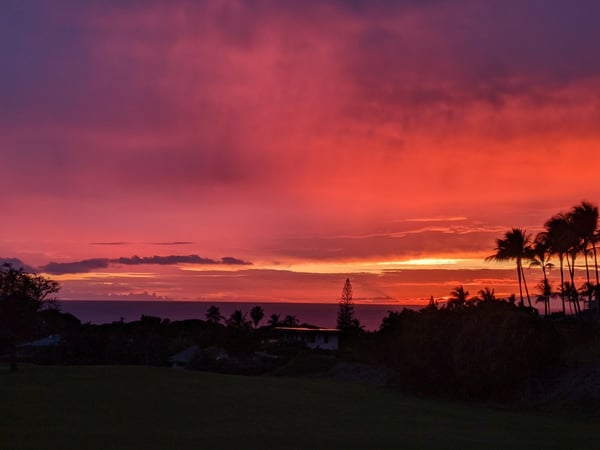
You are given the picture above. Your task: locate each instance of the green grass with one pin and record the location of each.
(118, 407)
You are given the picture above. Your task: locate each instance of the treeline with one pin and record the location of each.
(487, 349)
(28, 311)
(150, 340)
(483, 350)
(567, 236)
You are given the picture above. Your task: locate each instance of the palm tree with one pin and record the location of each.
(574, 243)
(213, 315)
(515, 247)
(290, 321)
(257, 314)
(545, 289)
(487, 295)
(458, 298)
(595, 241)
(274, 320)
(238, 320)
(572, 295)
(539, 256)
(585, 223)
(559, 235)
(587, 290)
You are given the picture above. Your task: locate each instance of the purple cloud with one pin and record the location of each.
(17, 264)
(89, 265)
(178, 259)
(171, 243)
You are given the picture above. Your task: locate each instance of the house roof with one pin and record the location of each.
(48, 341)
(185, 356)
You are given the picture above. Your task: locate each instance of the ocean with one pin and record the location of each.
(319, 314)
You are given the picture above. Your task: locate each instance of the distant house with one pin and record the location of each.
(314, 338)
(183, 358)
(40, 350)
(49, 341)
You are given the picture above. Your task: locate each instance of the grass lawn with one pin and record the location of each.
(120, 407)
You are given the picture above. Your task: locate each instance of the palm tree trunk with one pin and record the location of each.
(574, 298)
(546, 295)
(562, 283)
(587, 272)
(587, 267)
(525, 285)
(597, 287)
(520, 284)
(595, 261)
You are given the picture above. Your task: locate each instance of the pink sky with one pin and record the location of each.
(388, 142)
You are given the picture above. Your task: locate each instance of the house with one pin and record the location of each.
(49, 341)
(184, 357)
(40, 350)
(314, 338)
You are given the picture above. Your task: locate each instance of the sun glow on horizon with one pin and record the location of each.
(378, 267)
(99, 275)
(424, 262)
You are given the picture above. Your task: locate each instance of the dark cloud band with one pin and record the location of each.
(17, 264)
(89, 265)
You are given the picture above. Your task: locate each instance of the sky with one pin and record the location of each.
(268, 150)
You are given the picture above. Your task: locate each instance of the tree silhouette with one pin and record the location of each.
(487, 295)
(587, 290)
(213, 315)
(432, 305)
(595, 242)
(514, 246)
(545, 289)
(539, 256)
(274, 320)
(238, 319)
(22, 297)
(257, 314)
(574, 243)
(345, 318)
(559, 235)
(458, 298)
(572, 296)
(585, 223)
(290, 321)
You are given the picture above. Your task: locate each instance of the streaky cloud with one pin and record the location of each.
(234, 261)
(171, 243)
(164, 260)
(147, 243)
(434, 219)
(89, 265)
(84, 266)
(17, 264)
